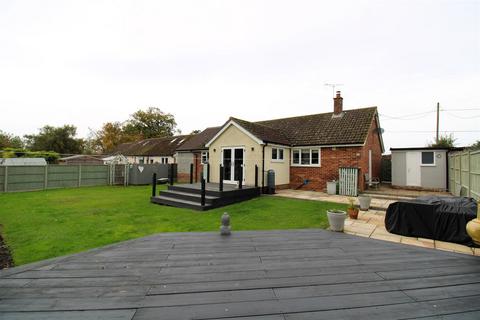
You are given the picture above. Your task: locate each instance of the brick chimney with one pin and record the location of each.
(337, 104)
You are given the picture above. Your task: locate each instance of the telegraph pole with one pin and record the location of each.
(438, 118)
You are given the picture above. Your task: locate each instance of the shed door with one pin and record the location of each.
(414, 162)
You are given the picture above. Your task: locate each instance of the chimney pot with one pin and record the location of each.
(337, 104)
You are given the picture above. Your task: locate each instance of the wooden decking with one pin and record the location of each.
(188, 195)
(267, 275)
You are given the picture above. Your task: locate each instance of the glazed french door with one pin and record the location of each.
(233, 164)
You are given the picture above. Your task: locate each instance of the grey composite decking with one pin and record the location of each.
(267, 275)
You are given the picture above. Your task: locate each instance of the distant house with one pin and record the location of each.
(194, 152)
(80, 159)
(153, 150)
(23, 162)
(305, 152)
(420, 168)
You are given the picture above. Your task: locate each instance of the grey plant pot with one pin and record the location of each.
(364, 202)
(336, 219)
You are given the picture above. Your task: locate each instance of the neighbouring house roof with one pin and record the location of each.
(165, 146)
(115, 159)
(352, 127)
(198, 141)
(427, 148)
(79, 156)
(23, 162)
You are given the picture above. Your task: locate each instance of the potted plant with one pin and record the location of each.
(364, 201)
(336, 219)
(352, 210)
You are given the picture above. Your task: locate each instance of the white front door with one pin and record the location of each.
(414, 162)
(233, 164)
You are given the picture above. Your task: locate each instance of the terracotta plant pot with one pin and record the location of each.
(352, 213)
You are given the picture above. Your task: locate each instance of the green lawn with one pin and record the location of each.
(45, 224)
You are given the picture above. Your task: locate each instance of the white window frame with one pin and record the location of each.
(204, 154)
(428, 164)
(278, 154)
(299, 164)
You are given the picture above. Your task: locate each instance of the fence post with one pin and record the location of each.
(220, 186)
(125, 179)
(256, 176)
(154, 184)
(5, 180)
(202, 195)
(45, 180)
(79, 175)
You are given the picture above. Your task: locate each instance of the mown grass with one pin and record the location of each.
(45, 224)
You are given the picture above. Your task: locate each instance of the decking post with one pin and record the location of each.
(220, 186)
(208, 172)
(170, 174)
(202, 195)
(154, 184)
(240, 178)
(256, 176)
(191, 173)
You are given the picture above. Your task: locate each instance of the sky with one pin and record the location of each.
(89, 62)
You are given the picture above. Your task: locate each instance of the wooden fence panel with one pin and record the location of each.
(475, 174)
(94, 175)
(29, 178)
(62, 176)
(2, 179)
(25, 178)
(464, 171)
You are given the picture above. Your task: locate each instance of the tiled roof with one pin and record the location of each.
(320, 129)
(165, 146)
(198, 141)
(263, 132)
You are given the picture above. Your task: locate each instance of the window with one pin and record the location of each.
(428, 158)
(277, 154)
(204, 157)
(296, 156)
(141, 160)
(164, 160)
(315, 157)
(306, 157)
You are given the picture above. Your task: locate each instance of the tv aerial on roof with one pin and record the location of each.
(333, 85)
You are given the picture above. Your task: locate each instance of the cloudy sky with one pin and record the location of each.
(89, 62)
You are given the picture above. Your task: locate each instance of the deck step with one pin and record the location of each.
(189, 196)
(180, 203)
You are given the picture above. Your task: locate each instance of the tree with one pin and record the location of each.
(49, 156)
(58, 139)
(444, 141)
(151, 123)
(110, 136)
(8, 140)
(475, 146)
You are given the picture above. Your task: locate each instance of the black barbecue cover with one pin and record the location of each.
(433, 217)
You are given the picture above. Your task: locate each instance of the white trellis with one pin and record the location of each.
(348, 181)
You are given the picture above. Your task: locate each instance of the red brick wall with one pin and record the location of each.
(333, 158)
